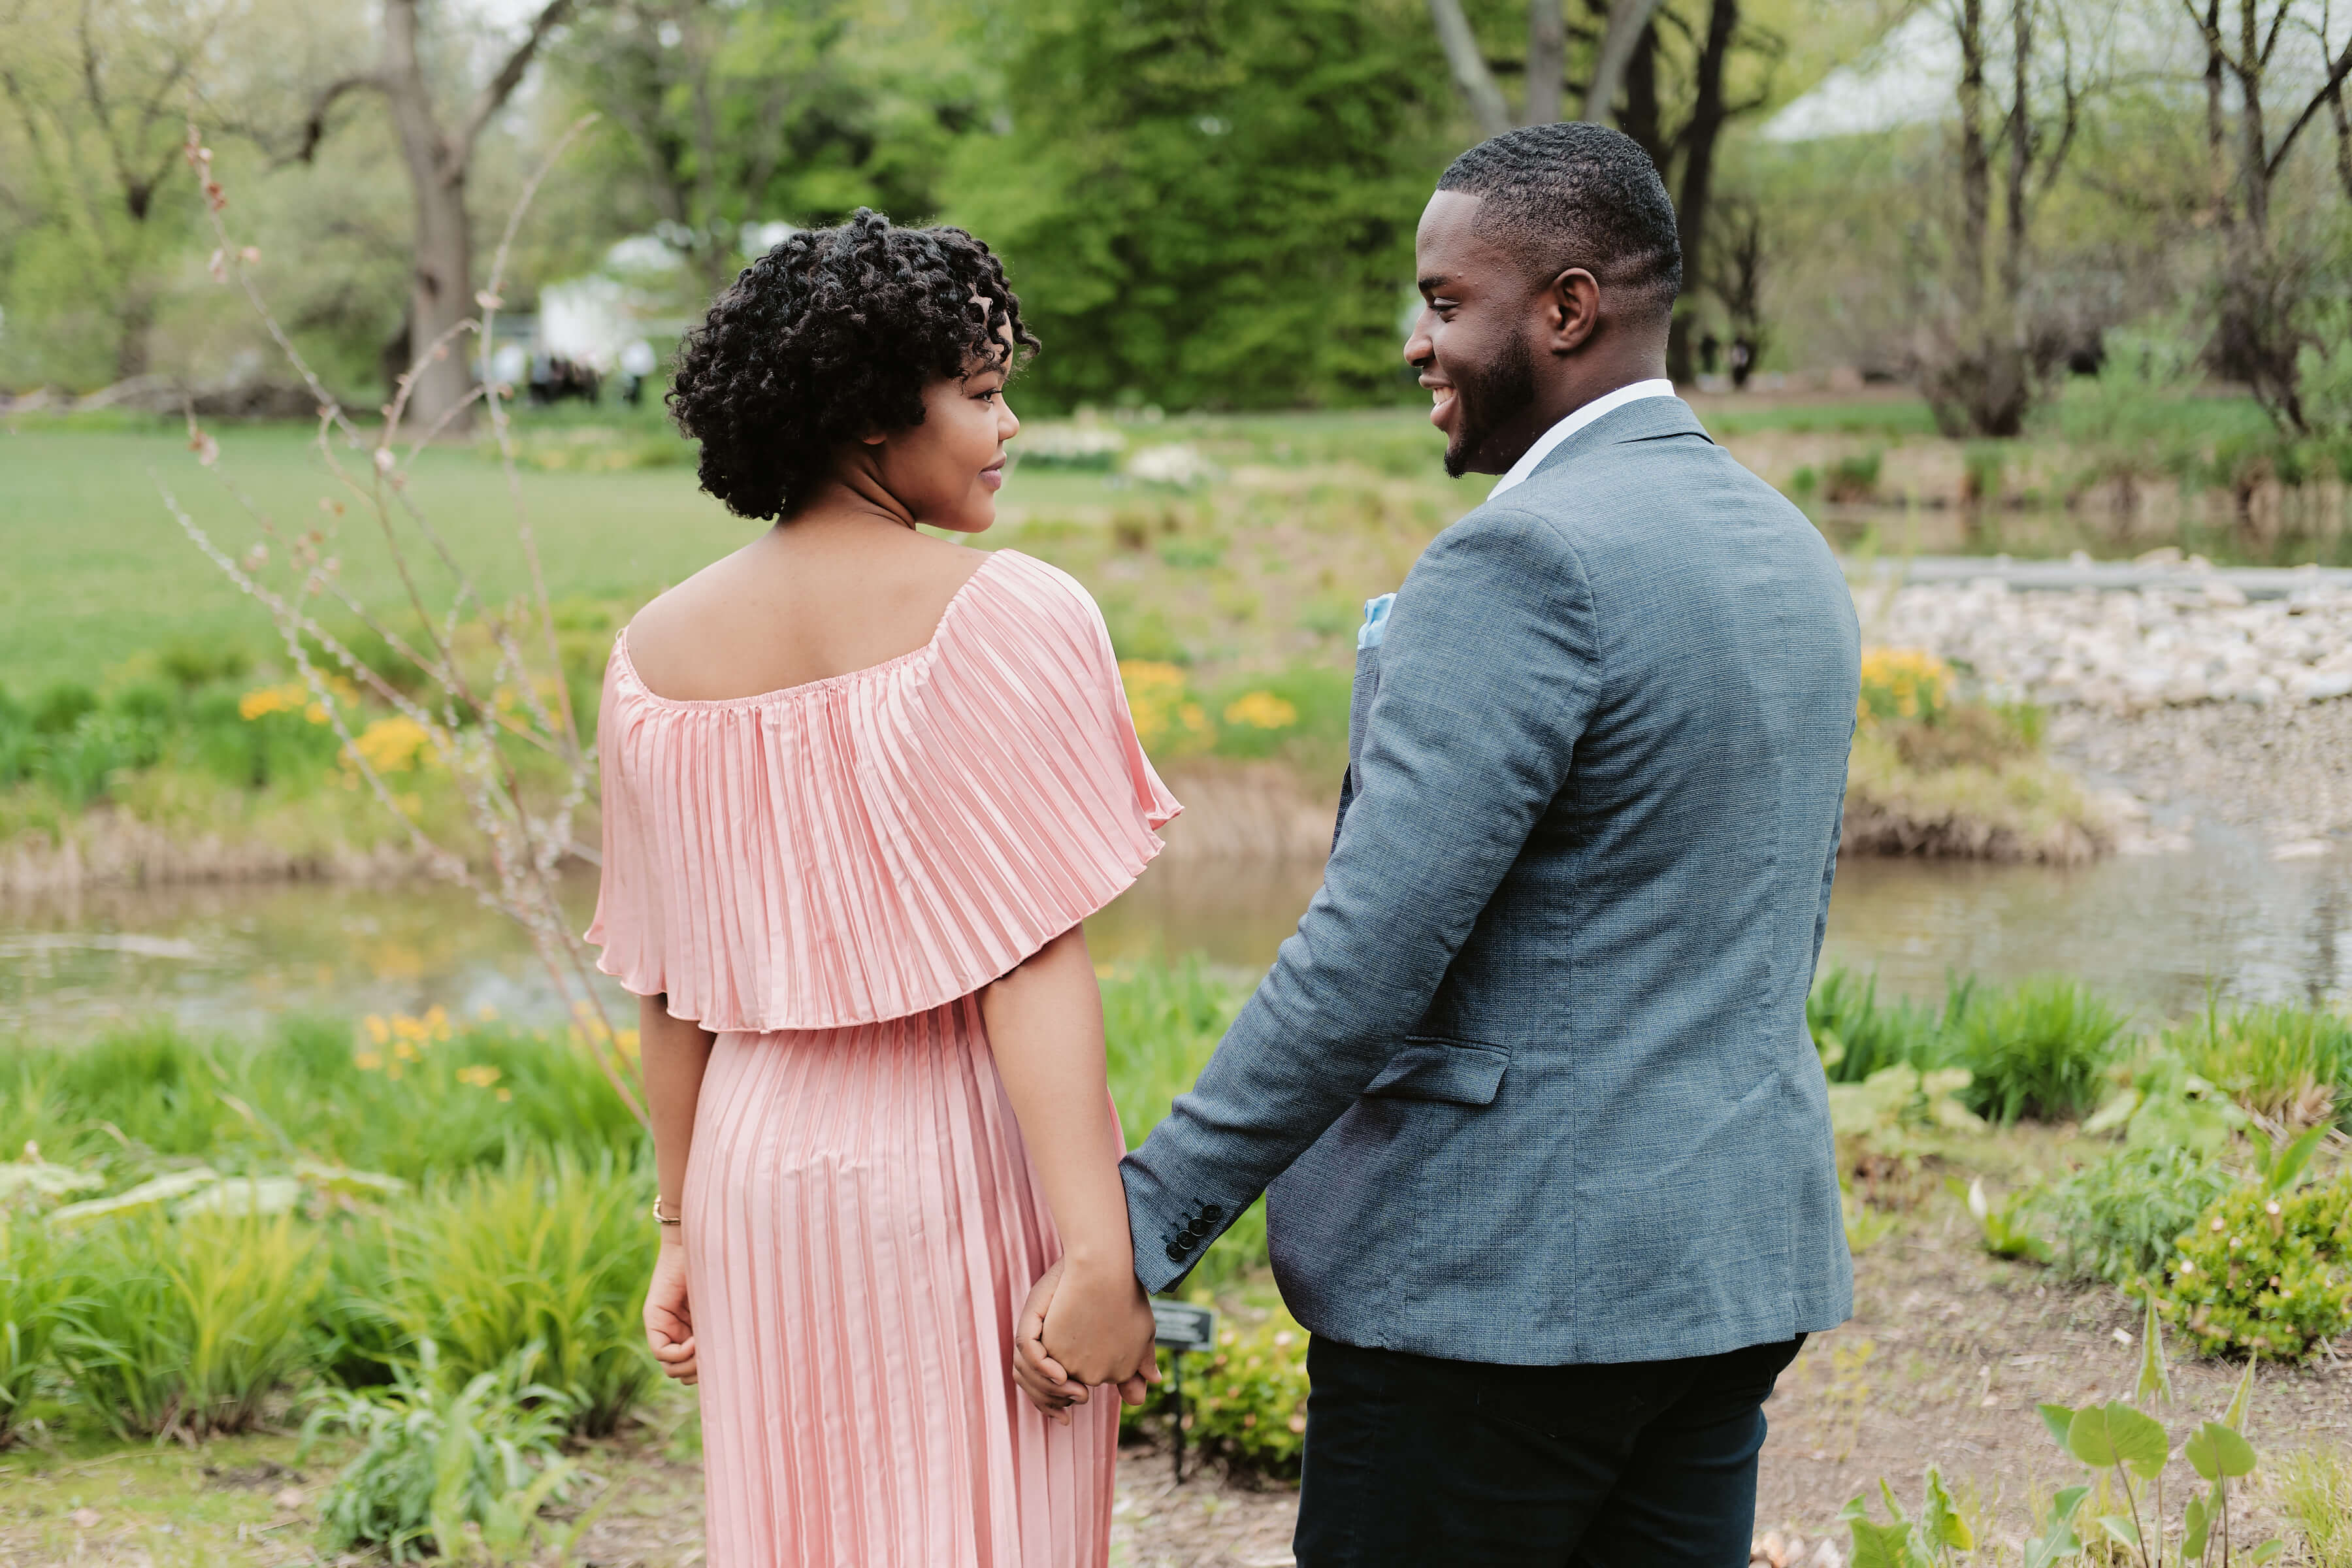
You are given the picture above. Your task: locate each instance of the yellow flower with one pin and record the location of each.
(628, 1043)
(505, 1095)
(378, 1030)
(263, 701)
(1262, 710)
(393, 745)
(367, 1061)
(481, 1077)
(1165, 714)
(1902, 683)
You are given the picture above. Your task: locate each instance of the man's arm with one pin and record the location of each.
(1489, 672)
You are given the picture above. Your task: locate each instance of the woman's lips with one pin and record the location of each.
(993, 476)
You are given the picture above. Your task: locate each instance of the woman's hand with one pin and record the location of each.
(669, 1318)
(1051, 1388)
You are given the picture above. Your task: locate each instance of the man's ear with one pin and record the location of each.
(1572, 310)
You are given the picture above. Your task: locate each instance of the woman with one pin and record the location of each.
(861, 784)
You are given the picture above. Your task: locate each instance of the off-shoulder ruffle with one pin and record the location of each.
(883, 842)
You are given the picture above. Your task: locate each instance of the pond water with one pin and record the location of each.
(2154, 932)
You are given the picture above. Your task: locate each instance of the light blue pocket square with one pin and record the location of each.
(1376, 622)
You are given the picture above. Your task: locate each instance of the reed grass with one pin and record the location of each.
(2040, 1049)
(187, 1326)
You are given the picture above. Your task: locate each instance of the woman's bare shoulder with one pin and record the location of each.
(782, 613)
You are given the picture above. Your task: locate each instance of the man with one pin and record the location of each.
(1551, 1178)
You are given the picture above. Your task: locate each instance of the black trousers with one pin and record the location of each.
(1413, 1462)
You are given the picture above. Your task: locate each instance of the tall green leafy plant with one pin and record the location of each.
(549, 1250)
(33, 1294)
(461, 1473)
(2040, 1050)
(187, 1326)
(2131, 1453)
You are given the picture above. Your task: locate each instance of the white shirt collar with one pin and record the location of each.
(1606, 403)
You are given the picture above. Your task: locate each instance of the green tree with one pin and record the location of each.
(727, 112)
(1212, 204)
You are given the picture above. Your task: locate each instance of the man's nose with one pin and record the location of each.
(1418, 347)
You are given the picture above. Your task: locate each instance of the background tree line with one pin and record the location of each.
(1206, 203)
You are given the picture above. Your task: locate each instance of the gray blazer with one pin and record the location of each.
(1532, 1084)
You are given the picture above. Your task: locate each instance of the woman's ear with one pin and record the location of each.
(875, 438)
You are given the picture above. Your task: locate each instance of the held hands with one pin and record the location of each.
(1098, 1325)
(669, 1319)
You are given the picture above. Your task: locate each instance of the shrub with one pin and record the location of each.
(2039, 1051)
(434, 1462)
(2266, 1273)
(187, 1326)
(1857, 1034)
(2293, 1064)
(2118, 1217)
(1161, 1022)
(32, 1296)
(1902, 683)
(1249, 1402)
(547, 1251)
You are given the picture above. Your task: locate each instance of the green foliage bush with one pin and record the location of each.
(441, 1468)
(548, 1253)
(2266, 1273)
(2119, 1217)
(1214, 204)
(1857, 1034)
(2286, 1062)
(1246, 1399)
(32, 1295)
(187, 1326)
(2040, 1050)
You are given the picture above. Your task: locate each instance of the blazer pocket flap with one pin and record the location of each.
(1465, 1072)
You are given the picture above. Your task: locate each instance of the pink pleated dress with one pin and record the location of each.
(825, 876)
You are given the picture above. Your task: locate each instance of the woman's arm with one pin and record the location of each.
(673, 1052)
(1046, 1028)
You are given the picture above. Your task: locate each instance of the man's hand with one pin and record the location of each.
(1042, 1376)
(669, 1318)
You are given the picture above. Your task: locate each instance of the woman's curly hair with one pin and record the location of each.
(831, 336)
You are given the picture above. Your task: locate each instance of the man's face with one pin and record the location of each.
(1472, 341)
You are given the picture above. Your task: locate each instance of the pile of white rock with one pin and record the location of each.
(2191, 638)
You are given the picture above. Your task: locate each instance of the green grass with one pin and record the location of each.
(99, 571)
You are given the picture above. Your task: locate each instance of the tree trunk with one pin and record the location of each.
(1547, 60)
(1699, 136)
(441, 286)
(1621, 39)
(2020, 150)
(1645, 121)
(1976, 168)
(1471, 77)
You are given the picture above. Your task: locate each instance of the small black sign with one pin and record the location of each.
(1181, 1327)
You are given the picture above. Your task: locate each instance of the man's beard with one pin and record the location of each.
(1488, 399)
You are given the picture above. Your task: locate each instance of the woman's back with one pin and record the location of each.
(803, 603)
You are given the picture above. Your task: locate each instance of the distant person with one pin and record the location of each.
(1710, 350)
(861, 786)
(1743, 362)
(1545, 1139)
(637, 363)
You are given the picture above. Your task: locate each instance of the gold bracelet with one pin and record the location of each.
(660, 1219)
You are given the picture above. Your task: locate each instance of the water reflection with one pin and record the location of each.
(2154, 932)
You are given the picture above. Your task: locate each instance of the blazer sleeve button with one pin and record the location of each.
(1175, 1253)
(1212, 1213)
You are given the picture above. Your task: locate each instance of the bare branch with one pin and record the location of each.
(500, 87)
(2335, 83)
(314, 129)
(1626, 20)
(1472, 78)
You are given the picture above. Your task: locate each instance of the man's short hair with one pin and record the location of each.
(1577, 195)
